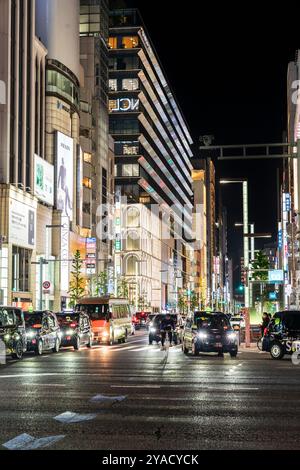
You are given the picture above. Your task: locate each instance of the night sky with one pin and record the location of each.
(228, 70)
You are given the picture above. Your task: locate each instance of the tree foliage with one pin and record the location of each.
(261, 262)
(77, 282)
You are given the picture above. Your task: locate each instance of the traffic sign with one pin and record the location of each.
(46, 285)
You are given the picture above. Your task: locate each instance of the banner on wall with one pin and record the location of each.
(64, 174)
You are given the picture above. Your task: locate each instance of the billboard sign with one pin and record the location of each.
(276, 276)
(43, 180)
(64, 174)
(22, 224)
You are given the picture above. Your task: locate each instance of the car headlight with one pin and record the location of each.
(7, 337)
(153, 330)
(70, 332)
(105, 334)
(151, 323)
(202, 335)
(231, 336)
(30, 334)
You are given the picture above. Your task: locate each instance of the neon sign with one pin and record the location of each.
(124, 105)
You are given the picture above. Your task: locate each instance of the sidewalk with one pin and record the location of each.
(253, 348)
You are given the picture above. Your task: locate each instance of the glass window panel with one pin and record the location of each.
(84, 19)
(113, 84)
(84, 28)
(113, 42)
(130, 42)
(130, 84)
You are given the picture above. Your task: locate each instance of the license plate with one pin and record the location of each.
(218, 345)
(296, 346)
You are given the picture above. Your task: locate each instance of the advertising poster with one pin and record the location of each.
(64, 174)
(22, 224)
(43, 180)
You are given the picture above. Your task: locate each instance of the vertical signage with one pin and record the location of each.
(64, 255)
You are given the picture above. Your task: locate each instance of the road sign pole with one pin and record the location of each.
(41, 283)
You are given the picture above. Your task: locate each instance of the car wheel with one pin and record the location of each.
(220, 354)
(56, 347)
(195, 350)
(184, 348)
(233, 353)
(77, 343)
(111, 340)
(277, 351)
(18, 354)
(150, 342)
(90, 343)
(39, 348)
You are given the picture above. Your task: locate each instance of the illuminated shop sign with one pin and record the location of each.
(124, 105)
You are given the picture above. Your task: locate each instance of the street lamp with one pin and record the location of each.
(244, 183)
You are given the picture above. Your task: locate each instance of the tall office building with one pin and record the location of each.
(289, 224)
(22, 149)
(98, 150)
(153, 169)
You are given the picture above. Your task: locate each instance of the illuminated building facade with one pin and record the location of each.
(152, 168)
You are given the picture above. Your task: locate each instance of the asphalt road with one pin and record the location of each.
(151, 399)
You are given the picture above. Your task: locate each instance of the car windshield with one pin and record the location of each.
(292, 321)
(158, 319)
(33, 319)
(95, 312)
(7, 318)
(212, 322)
(67, 318)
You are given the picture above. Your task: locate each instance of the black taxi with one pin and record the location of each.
(76, 329)
(209, 332)
(42, 331)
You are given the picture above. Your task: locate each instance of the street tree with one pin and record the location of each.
(101, 287)
(122, 288)
(77, 282)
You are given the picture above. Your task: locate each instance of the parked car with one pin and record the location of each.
(42, 331)
(12, 331)
(209, 332)
(76, 329)
(154, 329)
(282, 336)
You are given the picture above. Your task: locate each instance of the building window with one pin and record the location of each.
(85, 107)
(113, 84)
(130, 42)
(130, 84)
(86, 208)
(21, 259)
(130, 170)
(124, 126)
(132, 241)
(132, 266)
(133, 217)
(87, 182)
(113, 42)
(127, 148)
(87, 157)
(60, 84)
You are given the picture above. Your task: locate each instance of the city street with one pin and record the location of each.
(152, 399)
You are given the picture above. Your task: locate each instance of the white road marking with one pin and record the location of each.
(135, 386)
(105, 399)
(27, 442)
(69, 417)
(43, 385)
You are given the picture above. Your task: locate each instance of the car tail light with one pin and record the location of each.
(37, 326)
(266, 331)
(73, 325)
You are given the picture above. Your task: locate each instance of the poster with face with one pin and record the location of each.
(64, 174)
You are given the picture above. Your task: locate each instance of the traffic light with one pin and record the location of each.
(241, 288)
